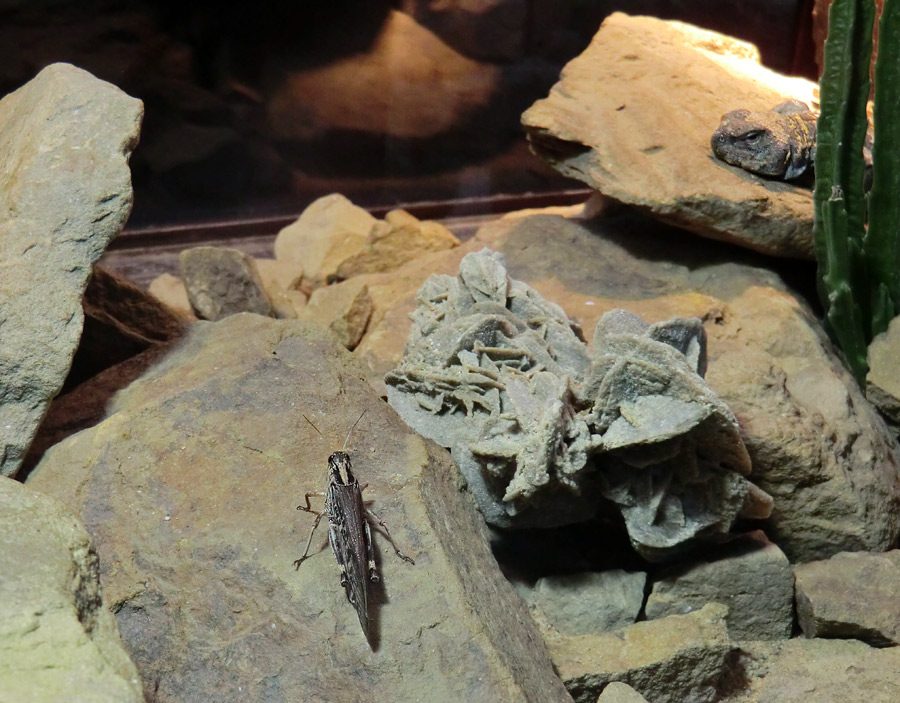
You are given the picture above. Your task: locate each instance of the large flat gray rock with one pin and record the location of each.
(189, 489)
(750, 575)
(65, 192)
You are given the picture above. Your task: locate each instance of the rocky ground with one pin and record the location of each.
(147, 540)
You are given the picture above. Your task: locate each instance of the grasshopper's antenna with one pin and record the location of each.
(352, 428)
(316, 428)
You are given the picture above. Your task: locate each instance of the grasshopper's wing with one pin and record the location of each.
(348, 537)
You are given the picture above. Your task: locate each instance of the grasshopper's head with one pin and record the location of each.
(339, 469)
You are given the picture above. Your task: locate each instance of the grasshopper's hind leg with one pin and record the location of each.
(387, 533)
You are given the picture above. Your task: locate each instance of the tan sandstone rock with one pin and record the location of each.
(170, 290)
(330, 230)
(883, 378)
(345, 308)
(59, 640)
(618, 692)
(281, 281)
(675, 659)
(633, 116)
(401, 237)
(65, 192)
(820, 670)
(189, 489)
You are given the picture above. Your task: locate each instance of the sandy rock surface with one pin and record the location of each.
(632, 116)
(821, 670)
(65, 140)
(189, 489)
(345, 308)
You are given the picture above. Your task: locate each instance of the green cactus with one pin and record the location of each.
(859, 261)
(882, 241)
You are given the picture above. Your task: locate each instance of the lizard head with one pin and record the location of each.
(754, 142)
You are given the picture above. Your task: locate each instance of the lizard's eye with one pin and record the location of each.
(753, 136)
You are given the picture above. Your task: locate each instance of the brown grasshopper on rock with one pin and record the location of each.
(348, 529)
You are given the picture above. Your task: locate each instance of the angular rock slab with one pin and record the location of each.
(853, 595)
(221, 282)
(65, 191)
(679, 658)
(189, 488)
(589, 603)
(59, 642)
(750, 575)
(633, 116)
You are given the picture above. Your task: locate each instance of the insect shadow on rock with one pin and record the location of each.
(348, 529)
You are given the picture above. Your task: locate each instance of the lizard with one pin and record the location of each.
(779, 143)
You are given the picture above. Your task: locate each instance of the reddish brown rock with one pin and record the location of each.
(633, 116)
(120, 321)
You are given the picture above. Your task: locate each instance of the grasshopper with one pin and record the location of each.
(348, 529)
